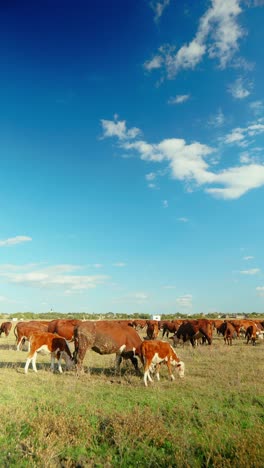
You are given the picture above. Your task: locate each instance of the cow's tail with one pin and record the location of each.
(15, 332)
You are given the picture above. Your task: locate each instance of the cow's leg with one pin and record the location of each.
(192, 340)
(34, 358)
(157, 371)
(19, 343)
(170, 370)
(118, 361)
(27, 364)
(59, 363)
(147, 373)
(52, 362)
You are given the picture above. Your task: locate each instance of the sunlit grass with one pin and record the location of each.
(214, 417)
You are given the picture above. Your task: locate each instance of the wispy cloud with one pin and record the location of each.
(119, 264)
(185, 301)
(134, 297)
(252, 271)
(217, 37)
(248, 257)
(179, 99)
(217, 120)
(56, 276)
(158, 6)
(194, 163)
(183, 220)
(14, 240)
(239, 136)
(257, 107)
(240, 89)
(260, 291)
(165, 203)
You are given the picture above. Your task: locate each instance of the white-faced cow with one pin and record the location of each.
(106, 337)
(152, 353)
(56, 345)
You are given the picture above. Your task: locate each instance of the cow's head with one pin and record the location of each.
(180, 367)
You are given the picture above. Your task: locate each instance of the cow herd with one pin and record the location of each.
(122, 338)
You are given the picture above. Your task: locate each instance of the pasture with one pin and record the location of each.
(214, 417)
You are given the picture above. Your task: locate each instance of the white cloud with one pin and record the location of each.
(217, 120)
(119, 264)
(151, 176)
(158, 7)
(252, 271)
(14, 240)
(56, 276)
(239, 135)
(193, 163)
(257, 107)
(118, 129)
(183, 220)
(248, 257)
(217, 36)
(135, 297)
(153, 64)
(260, 291)
(179, 99)
(165, 203)
(185, 301)
(240, 89)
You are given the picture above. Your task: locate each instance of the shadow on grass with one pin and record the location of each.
(7, 347)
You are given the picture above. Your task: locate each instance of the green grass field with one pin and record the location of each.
(214, 417)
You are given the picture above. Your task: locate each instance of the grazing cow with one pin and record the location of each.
(152, 329)
(64, 328)
(139, 324)
(170, 326)
(192, 330)
(216, 323)
(230, 332)
(5, 328)
(23, 330)
(106, 337)
(54, 344)
(152, 353)
(251, 333)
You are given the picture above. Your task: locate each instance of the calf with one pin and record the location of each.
(23, 330)
(54, 344)
(152, 353)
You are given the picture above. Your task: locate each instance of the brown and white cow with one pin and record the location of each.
(106, 337)
(56, 345)
(5, 328)
(23, 330)
(152, 353)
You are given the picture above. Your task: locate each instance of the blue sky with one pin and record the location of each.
(132, 165)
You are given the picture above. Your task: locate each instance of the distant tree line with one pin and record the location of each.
(120, 316)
